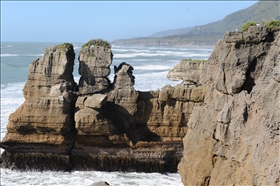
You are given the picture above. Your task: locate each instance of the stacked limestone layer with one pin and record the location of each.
(228, 109)
(123, 129)
(44, 122)
(233, 138)
(192, 72)
(95, 121)
(95, 59)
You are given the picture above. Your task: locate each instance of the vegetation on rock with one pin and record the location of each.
(97, 42)
(274, 24)
(65, 46)
(246, 26)
(194, 60)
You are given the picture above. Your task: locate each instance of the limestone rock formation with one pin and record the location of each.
(166, 113)
(95, 60)
(226, 109)
(190, 71)
(46, 115)
(233, 137)
(123, 93)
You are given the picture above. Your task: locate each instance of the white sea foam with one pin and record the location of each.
(13, 55)
(142, 54)
(9, 177)
(11, 99)
(9, 55)
(152, 67)
(153, 81)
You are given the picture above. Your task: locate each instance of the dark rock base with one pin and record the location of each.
(53, 162)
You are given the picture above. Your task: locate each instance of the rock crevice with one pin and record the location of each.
(97, 124)
(224, 116)
(227, 146)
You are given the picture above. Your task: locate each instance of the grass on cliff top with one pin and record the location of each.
(274, 24)
(271, 25)
(97, 42)
(65, 46)
(194, 60)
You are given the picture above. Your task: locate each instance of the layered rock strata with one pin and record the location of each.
(46, 115)
(44, 122)
(226, 111)
(192, 72)
(95, 60)
(233, 137)
(97, 124)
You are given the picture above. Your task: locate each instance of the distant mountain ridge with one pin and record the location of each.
(179, 31)
(210, 33)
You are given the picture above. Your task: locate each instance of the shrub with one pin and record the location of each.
(65, 45)
(97, 42)
(194, 60)
(246, 26)
(272, 25)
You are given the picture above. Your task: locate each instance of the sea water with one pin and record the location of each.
(151, 65)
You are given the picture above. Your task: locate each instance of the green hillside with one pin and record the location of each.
(179, 31)
(209, 34)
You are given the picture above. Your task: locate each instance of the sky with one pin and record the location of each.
(80, 21)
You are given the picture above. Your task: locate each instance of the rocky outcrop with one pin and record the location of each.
(233, 137)
(226, 111)
(97, 125)
(192, 72)
(95, 60)
(46, 117)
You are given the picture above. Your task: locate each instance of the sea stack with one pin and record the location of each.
(95, 59)
(222, 122)
(44, 123)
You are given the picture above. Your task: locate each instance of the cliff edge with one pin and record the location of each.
(233, 137)
(222, 123)
(95, 124)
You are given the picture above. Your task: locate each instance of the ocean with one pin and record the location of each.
(151, 65)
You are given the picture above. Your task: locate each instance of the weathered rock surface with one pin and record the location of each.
(101, 183)
(191, 72)
(233, 137)
(95, 60)
(226, 111)
(44, 122)
(96, 125)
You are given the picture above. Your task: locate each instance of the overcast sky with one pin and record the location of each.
(70, 21)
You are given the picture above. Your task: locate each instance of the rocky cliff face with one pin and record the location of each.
(46, 116)
(95, 60)
(233, 137)
(97, 124)
(226, 113)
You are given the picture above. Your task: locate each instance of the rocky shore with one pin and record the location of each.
(222, 123)
(233, 137)
(95, 124)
